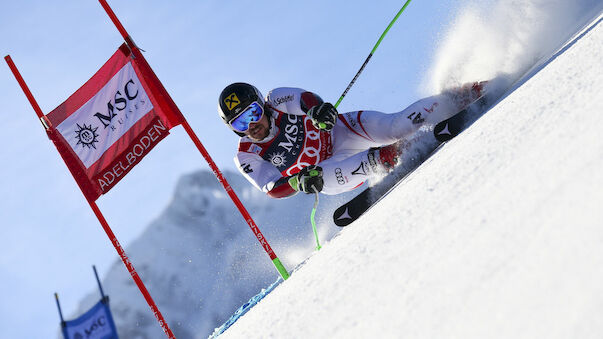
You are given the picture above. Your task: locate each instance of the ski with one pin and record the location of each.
(360, 204)
(447, 129)
(442, 132)
(451, 127)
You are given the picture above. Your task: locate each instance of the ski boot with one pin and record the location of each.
(467, 93)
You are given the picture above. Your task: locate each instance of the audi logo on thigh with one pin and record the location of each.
(339, 175)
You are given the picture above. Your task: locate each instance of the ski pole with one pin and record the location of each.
(372, 52)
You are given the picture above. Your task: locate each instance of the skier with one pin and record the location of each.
(293, 141)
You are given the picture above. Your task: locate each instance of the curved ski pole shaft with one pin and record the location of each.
(318, 247)
(372, 52)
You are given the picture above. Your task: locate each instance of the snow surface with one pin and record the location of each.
(498, 236)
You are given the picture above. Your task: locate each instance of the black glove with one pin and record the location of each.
(308, 180)
(323, 116)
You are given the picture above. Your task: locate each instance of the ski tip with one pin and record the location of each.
(342, 217)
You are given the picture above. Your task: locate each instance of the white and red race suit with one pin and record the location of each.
(343, 153)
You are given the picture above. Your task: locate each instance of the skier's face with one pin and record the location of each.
(259, 130)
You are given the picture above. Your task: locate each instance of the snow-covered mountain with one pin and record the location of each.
(498, 235)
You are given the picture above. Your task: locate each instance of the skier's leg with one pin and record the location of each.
(355, 132)
(342, 175)
(344, 172)
(383, 129)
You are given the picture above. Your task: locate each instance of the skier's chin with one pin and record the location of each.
(258, 133)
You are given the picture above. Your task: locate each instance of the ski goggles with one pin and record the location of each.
(253, 113)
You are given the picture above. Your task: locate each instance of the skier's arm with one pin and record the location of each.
(263, 175)
(308, 180)
(281, 188)
(299, 102)
(308, 100)
(291, 100)
(323, 114)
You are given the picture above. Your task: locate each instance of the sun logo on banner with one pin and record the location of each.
(86, 135)
(232, 101)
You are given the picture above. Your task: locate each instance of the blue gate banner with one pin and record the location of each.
(96, 323)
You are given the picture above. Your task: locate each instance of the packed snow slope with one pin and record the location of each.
(500, 235)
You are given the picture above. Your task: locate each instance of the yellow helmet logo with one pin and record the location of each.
(232, 101)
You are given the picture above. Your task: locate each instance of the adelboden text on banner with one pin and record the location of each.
(108, 125)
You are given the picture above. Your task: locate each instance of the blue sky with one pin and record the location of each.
(50, 236)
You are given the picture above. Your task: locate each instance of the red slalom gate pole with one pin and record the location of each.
(96, 210)
(254, 228)
(122, 254)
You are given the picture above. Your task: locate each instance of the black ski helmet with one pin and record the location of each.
(235, 98)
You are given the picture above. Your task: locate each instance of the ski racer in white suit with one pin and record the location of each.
(292, 141)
